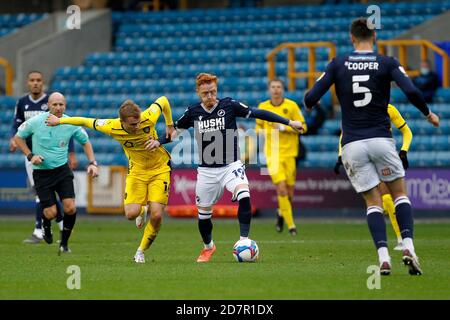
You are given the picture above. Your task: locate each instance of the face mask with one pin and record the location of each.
(424, 71)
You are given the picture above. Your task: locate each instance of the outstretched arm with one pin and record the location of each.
(73, 162)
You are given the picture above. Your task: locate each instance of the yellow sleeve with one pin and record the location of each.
(400, 123)
(152, 113)
(340, 146)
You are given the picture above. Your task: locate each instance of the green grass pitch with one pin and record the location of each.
(326, 260)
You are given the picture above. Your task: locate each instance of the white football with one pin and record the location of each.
(245, 250)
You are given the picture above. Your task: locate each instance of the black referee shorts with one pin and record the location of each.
(48, 182)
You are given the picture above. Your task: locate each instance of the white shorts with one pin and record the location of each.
(211, 182)
(369, 161)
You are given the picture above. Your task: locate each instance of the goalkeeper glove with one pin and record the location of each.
(403, 156)
(338, 165)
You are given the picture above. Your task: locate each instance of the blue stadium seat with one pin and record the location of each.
(320, 159)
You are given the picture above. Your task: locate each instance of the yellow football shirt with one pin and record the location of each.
(288, 137)
(154, 162)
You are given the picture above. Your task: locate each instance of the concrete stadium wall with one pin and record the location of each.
(65, 47)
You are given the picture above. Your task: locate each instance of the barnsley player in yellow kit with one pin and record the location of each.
(148, 179)
(388, 203)
(281, 155)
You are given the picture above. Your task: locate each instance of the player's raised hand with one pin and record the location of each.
(296, 125)
(433, 119)
(92, 170)
(152, 144)
(52, 120)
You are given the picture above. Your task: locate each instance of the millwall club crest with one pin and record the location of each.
(221, 113)
(200, 118)
(62, 144)
(44, 107)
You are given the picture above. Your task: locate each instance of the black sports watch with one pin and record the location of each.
(30, 156)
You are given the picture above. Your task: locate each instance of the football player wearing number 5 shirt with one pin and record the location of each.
(363, 82)
(214, 122)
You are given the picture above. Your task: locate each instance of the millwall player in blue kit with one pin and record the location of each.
(30, 105)
(363, 82)
(214, 122)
